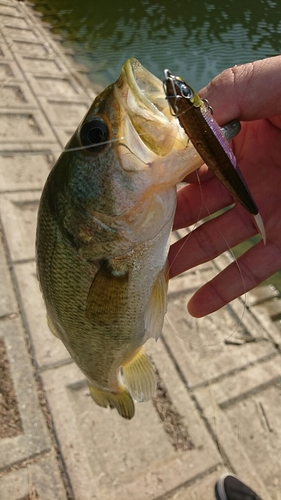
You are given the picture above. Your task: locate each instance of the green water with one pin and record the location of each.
(194, 39)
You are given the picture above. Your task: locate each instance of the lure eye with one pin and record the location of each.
(95, 133)
(186, 91)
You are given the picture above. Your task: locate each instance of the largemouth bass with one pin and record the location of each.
(104, 223)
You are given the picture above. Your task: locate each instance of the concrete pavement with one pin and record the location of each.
(218, 403)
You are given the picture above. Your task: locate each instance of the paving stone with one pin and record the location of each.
(24, 126)
(200, 365)
(10, 10)
(201, 489)
(35, 438)
(255, 422)
(62, 57)
(261, 294)
(16, 95)
(40, 65)
(39, 479)
(8, 304)
(9, 71)
(19, 213)
(5, 53)
(32, 49)
(272, 328)
(108, 457)
(216, 345)
(49, 350)
(58, 86)
(246, 382)
(11, 20)
(26, 169)
(234, 450)
(63, 112)
(7, 2)
(17, 33)
(274, 309)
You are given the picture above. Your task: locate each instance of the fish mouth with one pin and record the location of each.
(146, 87)
(148, 110)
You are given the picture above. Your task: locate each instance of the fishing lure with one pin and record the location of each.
(195, 116)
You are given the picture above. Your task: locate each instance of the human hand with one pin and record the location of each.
(252, 94)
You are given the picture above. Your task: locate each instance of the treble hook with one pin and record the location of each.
(168, 76)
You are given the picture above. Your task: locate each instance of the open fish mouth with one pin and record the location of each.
(148, 109)
(146, 88)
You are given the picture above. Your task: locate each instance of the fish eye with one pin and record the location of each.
(95, 133)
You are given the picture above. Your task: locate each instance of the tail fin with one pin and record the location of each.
(140, 381)
(121, 401)
(139, 377)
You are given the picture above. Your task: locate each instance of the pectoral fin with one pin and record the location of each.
(52, 328)
(121, 401)
(108, 294)
(157, 306)
(139, 377)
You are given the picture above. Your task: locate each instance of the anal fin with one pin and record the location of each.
(139, 377)
(121, 401)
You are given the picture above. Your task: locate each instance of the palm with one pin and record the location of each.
(258, 151)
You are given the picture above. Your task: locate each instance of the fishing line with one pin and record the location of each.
(188, 235)
(80, 148)
(70, 150)
(132, 152)
(237, 265)
(177, 114)
(50, 150)
(61, 150)
(234, 260)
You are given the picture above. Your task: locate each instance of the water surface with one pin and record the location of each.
(195, 39)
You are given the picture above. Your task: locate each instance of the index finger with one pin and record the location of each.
(249, 91)
(253, 267)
